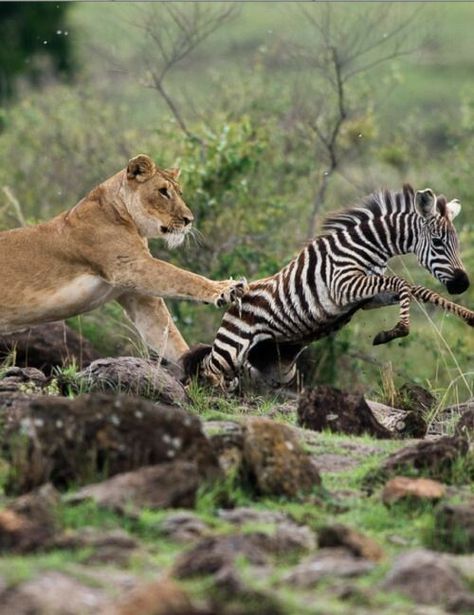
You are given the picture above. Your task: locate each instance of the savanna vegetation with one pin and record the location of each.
(246, 101)
(277, 113)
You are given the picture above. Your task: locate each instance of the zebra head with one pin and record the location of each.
(437, 248)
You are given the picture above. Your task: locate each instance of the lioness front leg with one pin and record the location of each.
(155, 324)
(152, 277)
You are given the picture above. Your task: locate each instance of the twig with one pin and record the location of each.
(15, 205)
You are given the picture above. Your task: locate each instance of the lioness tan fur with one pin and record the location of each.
(98, 252)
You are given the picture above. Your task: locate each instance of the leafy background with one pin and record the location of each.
(81, 93)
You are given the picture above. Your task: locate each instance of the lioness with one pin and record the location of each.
(98, 252)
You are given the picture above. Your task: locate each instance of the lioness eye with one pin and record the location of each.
(437, 242)
(164, 192)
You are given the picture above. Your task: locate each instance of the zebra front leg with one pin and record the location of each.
(366, 287)
(428, 296)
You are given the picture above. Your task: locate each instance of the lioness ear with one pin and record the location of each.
(425, 202)
(174, 172)
(453, 208)
(140, 168)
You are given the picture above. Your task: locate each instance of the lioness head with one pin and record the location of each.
(154, 201)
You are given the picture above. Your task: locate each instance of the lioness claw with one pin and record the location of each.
(232, 293)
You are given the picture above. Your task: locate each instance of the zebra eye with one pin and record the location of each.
(437, 242)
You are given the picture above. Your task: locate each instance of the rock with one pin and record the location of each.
(210, 555)
(461, 603)
(26, 379)
(414, 398)
(28, 523)
(48, 346)
(402, 487)
(358, 544)
(214, 554)
(333, 562)
(424, 577)
(73, 440)
(289, 538)
(112, 546)
(454, 527)
(434, 457)
(229, 449)
(326, 407)
(52, 593)
(274, 462)
(167, 485)
(141, 377)
(465, 425)
(243, 515)
(184, 527)
(402, 423)
(163, 597)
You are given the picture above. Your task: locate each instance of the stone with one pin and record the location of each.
(135, 376)
(414, 398)
(28, 523)
(358, 544)
(424, 577)
(402, 487)
(327, 407)
(72, 441)
(274, 462)
(184, 527)
(433, 457)
(22, 379)
(162, 597)
(454, 527)
(167, 485)
(210, 555)
(111, 546)
(52, 593)
(47, 346)
(465, 425)
(334, 562)
(229, 449)
(461, 603)
(242, 515)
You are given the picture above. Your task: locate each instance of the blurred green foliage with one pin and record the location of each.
(252, 167)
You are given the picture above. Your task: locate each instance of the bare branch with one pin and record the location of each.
(172, 33)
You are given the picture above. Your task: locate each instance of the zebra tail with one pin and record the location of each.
(193, 358)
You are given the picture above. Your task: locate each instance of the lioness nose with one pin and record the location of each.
(188, 219)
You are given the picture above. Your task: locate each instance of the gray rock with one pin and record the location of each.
(333, 562)
(112, 546)
(454, 527)
(73, 440)
(425, 577)
(47, 346)
(168, 485)
(52, 593)
(184, 527)
(141, 377)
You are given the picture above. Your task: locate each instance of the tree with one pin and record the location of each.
(172, 33)
(346, 46)
(30, 31)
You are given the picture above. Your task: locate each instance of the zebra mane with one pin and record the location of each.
(374, 205)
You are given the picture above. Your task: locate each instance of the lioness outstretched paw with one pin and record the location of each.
(233, 292)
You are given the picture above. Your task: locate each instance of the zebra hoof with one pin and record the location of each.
(387, 336)
(382, 338)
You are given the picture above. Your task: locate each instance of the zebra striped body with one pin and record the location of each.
(335, 275)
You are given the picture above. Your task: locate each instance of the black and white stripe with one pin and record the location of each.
(338, 273)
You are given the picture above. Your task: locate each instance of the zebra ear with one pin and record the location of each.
(453, 208)
(425, 202)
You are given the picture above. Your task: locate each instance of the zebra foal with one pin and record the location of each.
(338, 273)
